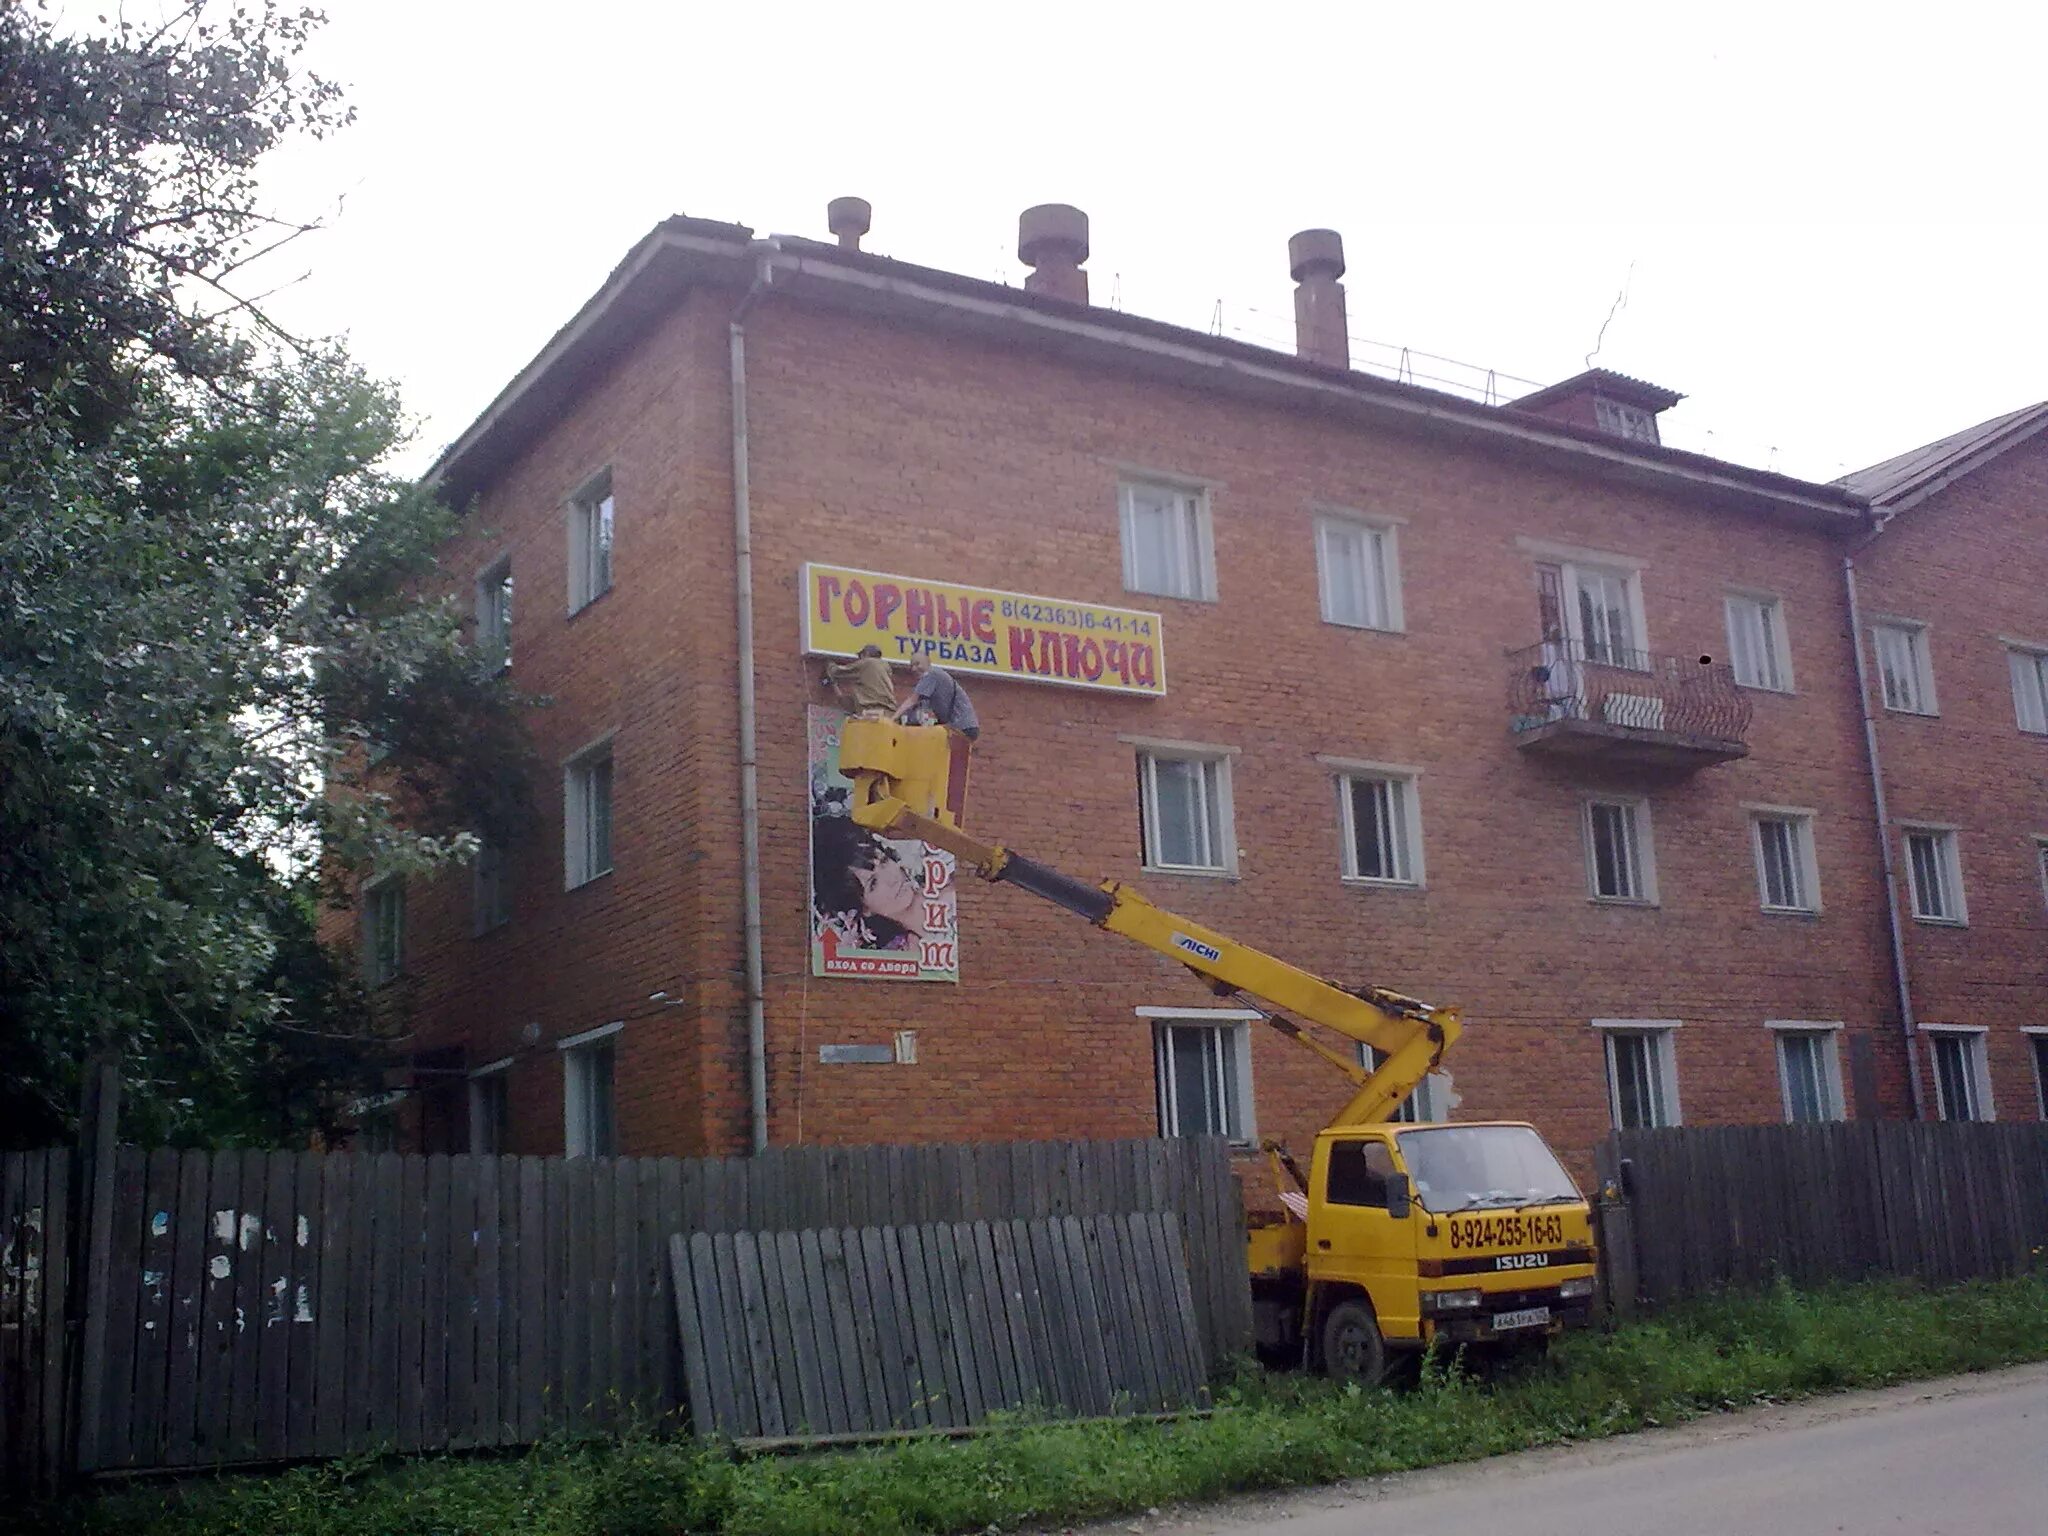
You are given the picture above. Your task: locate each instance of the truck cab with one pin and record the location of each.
(1407, 1234)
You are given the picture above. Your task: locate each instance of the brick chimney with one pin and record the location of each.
(1052, 239)
(848, 218)
(1321, 334)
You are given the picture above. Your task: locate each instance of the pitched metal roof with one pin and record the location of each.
(1899, 482)
(1604, 381)
(682, 252)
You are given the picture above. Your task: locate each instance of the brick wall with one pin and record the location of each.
(939, 456)
(1958, 563)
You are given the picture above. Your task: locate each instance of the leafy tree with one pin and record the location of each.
(220, 683)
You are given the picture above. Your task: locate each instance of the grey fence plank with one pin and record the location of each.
(762, 1332)
(689, 1330)
(460, 1305)
(110, 1438)
(485, 1384)
(278, 1280)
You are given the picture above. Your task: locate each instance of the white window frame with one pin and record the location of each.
(481, 1082)
(380, 893)
(490, 889)
(1377, 569)
(2041, 864)
(1633, 423)
(1756, 634)
(1216, 788)
(1907, 638)
(1661, 1036)
(1828, 1035)
(2037, 1052)
(582, 860)
(1642, 844)
(1194, 553)
(1806, 863)
(2027, 666)
(593, 536)
(1430, 1103)
(494, 598)
(1949, 853)
(1232, 1026)
(1975, 1057)
(1574, 564)
(1405, 790)
(579, 1052)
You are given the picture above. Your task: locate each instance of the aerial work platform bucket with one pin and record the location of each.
(921, 768)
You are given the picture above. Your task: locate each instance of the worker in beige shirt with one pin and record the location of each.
(865, 684)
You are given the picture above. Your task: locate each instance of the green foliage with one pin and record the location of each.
(1270, 1432)
(209, 602)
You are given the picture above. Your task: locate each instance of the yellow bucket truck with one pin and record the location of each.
(1399, 1235)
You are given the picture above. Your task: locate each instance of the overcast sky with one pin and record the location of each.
(1828, 225)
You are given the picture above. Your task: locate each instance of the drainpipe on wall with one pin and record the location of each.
(1908, 1025)
(750, 798)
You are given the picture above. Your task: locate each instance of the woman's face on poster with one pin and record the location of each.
(888, 890)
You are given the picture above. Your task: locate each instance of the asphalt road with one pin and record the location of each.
(1947, 1458)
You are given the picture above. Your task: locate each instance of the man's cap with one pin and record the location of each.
(871, 650)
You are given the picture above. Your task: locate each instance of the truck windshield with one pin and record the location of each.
(1483, 1167)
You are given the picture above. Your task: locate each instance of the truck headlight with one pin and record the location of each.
(1576, 1290)
(1451, 1301)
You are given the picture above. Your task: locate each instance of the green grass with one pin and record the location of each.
(1277, 1430)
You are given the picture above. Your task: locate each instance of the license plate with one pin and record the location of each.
(1527, 1317)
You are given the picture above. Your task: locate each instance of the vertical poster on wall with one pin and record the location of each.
(881, 908)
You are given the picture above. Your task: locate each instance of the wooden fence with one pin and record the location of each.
(264, 1306)
(1734, 1206)
(845, 1333)
(35, 1248)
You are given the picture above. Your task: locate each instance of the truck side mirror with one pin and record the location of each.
(1400, 1195)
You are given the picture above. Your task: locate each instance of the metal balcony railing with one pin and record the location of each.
(1571, 696)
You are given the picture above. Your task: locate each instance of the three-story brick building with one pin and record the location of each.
(1509, 706)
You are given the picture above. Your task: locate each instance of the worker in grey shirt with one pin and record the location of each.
(940, 697)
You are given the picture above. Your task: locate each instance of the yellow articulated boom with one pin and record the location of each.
(1352, 1272)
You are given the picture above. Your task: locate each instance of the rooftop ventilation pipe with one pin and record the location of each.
(1321, 332)
(849, 218)
(1053, 240)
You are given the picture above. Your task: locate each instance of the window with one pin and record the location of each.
(587, 816)
(1605, 612)
(1962, 1084)
(490, 890)
(2029, 689)
(1358, 574)
(1620, 865)
(487, 1109)
(1625, 420)
(1786, 874)
(1936, 869)
(1382, 828)
(1642, 1073)
(1358, 1173)
(1205, 1073)
(1756, 643)
(590, 542)
(1184, 809)
(2041, 859)
(1167, 547)
(1429, 1102)
(1903, 668)
(494, 615)
(587, 1068)
(383, 930)
(1810, 1071)
(2037, 1047)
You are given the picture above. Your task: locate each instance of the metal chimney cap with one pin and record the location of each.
(1050, 231)
(849, 216)
(1316, 253)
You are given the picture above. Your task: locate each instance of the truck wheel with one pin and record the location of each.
(1352, 1347)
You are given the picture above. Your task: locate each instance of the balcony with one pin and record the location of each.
(1568, 700)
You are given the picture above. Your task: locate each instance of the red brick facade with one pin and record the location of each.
(894, 442)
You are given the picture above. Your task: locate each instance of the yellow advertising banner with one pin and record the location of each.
(977, 630)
